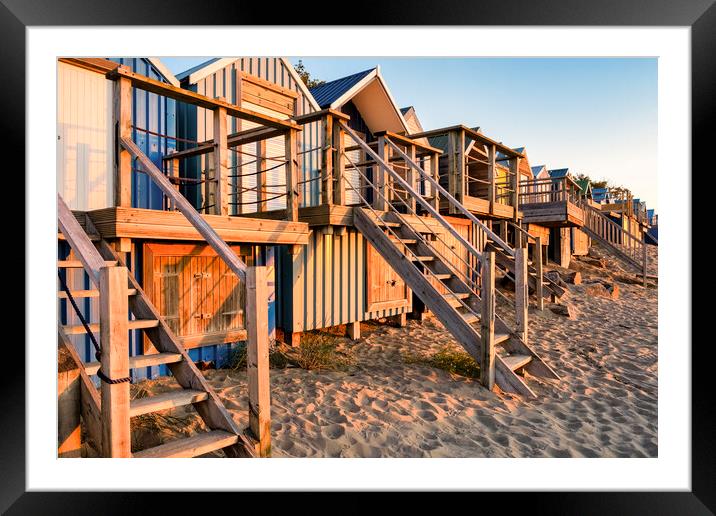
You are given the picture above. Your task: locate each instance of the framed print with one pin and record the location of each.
(426, 243)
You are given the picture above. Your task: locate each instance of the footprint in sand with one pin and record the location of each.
(427, 415)
(334, 431)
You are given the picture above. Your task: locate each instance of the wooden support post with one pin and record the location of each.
(412, 176)
(401, 320)
(487, 321)
(257, 358)
(515, 186)
(123, 119)
(491, 153)
(565, 251)
(261, 176)
(221, 164)
(353, 330)
(327, 162)
(436, 176)
(537, 261)
(114, 340)
(521, 292)
(380, 177)
(291, 175)
(339, 186)
(68, 407)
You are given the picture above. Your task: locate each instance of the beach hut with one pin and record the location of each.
(85, 148)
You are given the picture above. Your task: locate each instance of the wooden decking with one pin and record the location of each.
(118, 222)
(553, 214)
(323, 215)
(481, 208)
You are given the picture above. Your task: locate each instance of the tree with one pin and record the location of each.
(306, 76)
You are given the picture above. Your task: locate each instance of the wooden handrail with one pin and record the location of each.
(183, 205)
(409, 189)
(448, 196)
(167, 90)
(80, 243)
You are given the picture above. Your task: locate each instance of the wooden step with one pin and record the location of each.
(76, 264)
(77, 294)
(165, 401)
(454, 299)
(93, 237)
(386, 224)
(137, 324)
(408, 241)
(421, 258)
(470, 318)
(441, 277)
(189, 447)
(501, 337)
(516, 362)
(141, 361)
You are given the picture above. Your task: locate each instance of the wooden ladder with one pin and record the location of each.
(461, 310)
(120, 294)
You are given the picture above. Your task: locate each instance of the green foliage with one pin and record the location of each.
(450, 360)
(306, 76)
(318, 351)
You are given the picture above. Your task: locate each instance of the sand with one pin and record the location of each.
(384, 406)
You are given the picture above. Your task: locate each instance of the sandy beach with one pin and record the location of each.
(385, 404)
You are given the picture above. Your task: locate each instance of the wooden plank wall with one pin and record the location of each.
(325, 284)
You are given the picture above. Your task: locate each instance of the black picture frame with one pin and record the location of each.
(699, 15)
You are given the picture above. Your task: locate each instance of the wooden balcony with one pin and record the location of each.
(119, 222)
(551, 203)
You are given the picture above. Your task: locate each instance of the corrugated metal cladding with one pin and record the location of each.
(197, 124)
(328, 276)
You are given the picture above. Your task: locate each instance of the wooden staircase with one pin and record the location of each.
(460, 311)
(99, 260)
(624, 246)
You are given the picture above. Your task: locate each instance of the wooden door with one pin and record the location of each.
(384, 288)
(200, 298)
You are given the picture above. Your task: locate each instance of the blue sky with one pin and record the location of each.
(593, 115)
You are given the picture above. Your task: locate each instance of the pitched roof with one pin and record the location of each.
(404, 110)
(537, 169)
(559, 172)
(186, 73)
(329, 92)
(584, 185)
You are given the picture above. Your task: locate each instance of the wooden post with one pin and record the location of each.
(261, 176)
(123, 119)
(68, 408)
(380, 177)
(339, 186)
(401, 320)
(537, 260)
(353, 330)
(515, 185)
(412, 176)
(327, 162)
(491, 152)
(291, 175)
(521, 292)
(487, 321)
(436, 175)
(221, 163)
(257, 358)
(114, 360)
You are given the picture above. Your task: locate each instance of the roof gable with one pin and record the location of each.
(329, 92)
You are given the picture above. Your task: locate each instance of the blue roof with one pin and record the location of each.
(536, 170)
(404, 110)
(326, 94)
(560, 172)
(186, 73)
(650, 213)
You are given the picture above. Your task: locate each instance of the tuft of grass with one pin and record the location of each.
(277, 357)
(450, 360)
(319, 351)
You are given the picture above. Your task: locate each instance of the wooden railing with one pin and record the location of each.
(549, 190)
(629, 248)
(216, 171)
